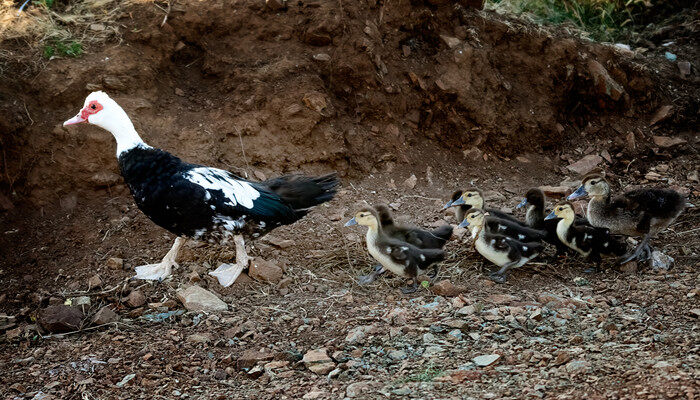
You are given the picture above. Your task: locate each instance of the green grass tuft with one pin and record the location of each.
(603, 20)
(63, 49)
(428, 375)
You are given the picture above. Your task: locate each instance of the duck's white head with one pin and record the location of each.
(99, 109)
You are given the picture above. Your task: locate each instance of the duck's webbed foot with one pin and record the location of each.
(226, 274)
(501, 275)
(432, 274)
(410, 288)
(163, 269)
(367, 279)
(643, 249)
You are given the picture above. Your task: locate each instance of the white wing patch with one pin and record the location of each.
(235, 191)
(521, 237)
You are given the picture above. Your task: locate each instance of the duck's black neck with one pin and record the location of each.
(534, 216)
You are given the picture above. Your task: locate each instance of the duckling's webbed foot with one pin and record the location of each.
(502, 274)
(642, 247)
(432, 274)
(367, 279)
(410, 288)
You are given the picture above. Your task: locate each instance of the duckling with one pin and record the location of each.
(535, 218)
(420, 238)
(474, 198)
(639, 212)
(461, 210)
(588, 241)
(399, 257)
(513, 230)
(501, 250)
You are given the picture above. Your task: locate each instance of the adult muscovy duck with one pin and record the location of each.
(198, 202)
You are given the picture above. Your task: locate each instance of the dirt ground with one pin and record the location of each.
(380, 92)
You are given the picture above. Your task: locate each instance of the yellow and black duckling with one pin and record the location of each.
(420, 238)
(397, 256)
(474, 198)
(639, 212)
(588, 241)
(501, 250)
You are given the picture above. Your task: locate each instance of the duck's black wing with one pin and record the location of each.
(514, 230)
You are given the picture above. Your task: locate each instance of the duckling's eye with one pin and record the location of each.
(94, 107)
(469, 195)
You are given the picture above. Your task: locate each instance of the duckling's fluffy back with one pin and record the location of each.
(659, 203)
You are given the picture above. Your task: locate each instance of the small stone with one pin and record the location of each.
(104, 178)
(467, 310)
(661, 261)
(446, 288)
(661, 114)
(195, 298)
(276, 5)
(105, 316)
(603, 82)
(563, 357)
(318, 362)
(315, 101)
(665, 141)
(115, 263)
(586, 164)
(695, 313)
(265, 271)
(536, 315)
(321, 57)
(629, 267)
(577, 366)
(126, 380)
(455, 334)
(250, 358)
(486, 360)
(411, 181)
(179, 92)
(94, 282)
(97, 27)
(450, 41)
(397, 355)
(358, 389)
(199, 338)
(357, 335)
(684, 68)
(136, 299)
(113, 82)
(60, 318)
(501, 299)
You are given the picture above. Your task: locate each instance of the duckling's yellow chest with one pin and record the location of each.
(497, 257)
(381, 256)
(562, 232)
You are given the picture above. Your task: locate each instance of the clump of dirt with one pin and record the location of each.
(323, 84)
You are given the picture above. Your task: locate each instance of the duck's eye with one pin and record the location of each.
(94, 107)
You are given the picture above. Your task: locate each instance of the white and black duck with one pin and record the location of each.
(199, 202)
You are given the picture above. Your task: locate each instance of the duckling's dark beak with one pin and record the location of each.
(580, 192)
(352, 222)
(551, 215)
(458, 202)
(522, 203)
(463, 224)
(448, 205)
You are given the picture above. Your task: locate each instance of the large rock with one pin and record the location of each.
(486, 360)
(447, 289)
(318, 361)
(265, 271)
(586, 164)
(604, 84)
(136, 299)
(61, 318)
(195, 298)
(665, 141)
(250, 358)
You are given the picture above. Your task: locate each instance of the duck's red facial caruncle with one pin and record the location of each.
(93, 107)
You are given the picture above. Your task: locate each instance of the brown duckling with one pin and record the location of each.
(399, 257)
(639, 212)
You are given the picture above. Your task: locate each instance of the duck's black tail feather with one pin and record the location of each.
(384, 213)
(431, 256)
(302, 192)
(443, 234)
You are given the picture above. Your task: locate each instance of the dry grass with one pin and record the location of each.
(40, 33)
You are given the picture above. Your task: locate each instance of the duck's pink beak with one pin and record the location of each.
(75, 120)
